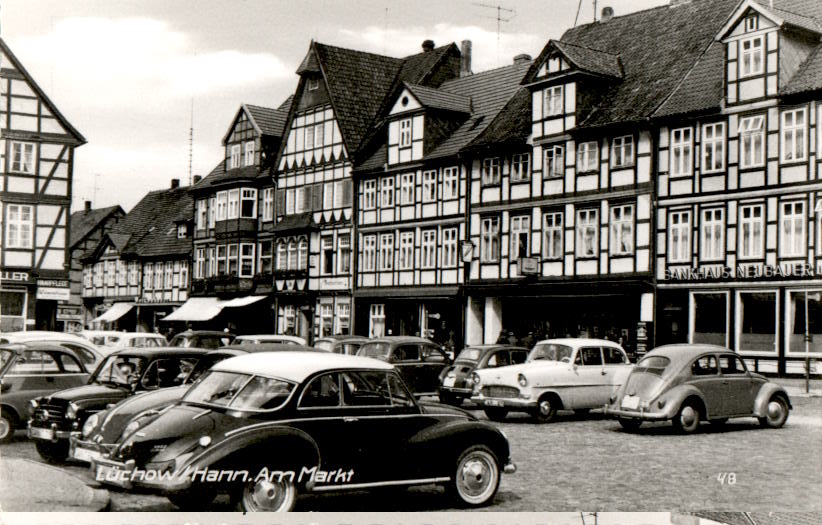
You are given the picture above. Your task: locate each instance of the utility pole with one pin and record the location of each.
(499, 18)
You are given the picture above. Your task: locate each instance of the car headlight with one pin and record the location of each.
(475, 379)
(72, 411)
(130, 429)
(451, 373)
(90, 425)
(205, 441)
(33, 405)
(522, 380)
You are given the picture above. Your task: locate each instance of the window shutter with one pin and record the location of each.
(279, 202)
(307, 198)
(348, 192)
(318, 197)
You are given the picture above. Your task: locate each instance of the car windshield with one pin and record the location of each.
(653, 364)
(119, 370)
(379, 350)
(551, 352)
(239, 391)
(469, 354)
(325, 345)
(5, 357)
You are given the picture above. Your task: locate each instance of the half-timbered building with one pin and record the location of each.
(37, 159)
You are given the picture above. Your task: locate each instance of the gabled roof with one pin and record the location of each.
(809, 76)
(83, 222)
(41, 94)
(589, 59)
(802, 14)
(439, 99)
(512, 125)
(266, 121)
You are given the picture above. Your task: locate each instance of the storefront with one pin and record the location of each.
(17, 302)
(249, 314)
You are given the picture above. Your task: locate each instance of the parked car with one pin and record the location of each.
(455, 380)
(341, 344)
(690, 383)
(30, 370)
(418, 360)
(262, 338)
(89, 353)
(103, 429)
(560, 374)
(284, 423)
(201, 339)
(56, 417)
(118, 340)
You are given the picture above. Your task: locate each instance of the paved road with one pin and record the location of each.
(591, 463)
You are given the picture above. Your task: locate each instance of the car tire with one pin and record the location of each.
(262, 495)
(629, 423)
(545, 410)
(195, 498)
(686, 420)
(52, 452)
(476, 477)
(8, 424)
(496, 414)
(777, 413)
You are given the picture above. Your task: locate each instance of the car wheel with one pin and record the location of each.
(687, 419)
(264, 495)
(52, 452)
(777, 413)
(8, 424)
(629, 423)
(545, 410)
(496, 414)
(192, 499)
(476, 478)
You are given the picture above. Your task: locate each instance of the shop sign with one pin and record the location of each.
(69, 312)
(528, 265)
(48, 293)
(333, 283)
(18, 277)
(793, 270)
(53, 283)
(641, 338)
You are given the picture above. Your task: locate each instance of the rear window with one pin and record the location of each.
(469, 354)
(326, 345)
(375, 350)
(653, 364)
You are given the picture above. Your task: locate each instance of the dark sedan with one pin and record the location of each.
(418, 360)
(455, 385)
(341, 344)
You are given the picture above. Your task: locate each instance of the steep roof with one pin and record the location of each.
(270, 121)
(589, 59)
(809, 76)
(439, 99)
(84, 222)
(511, 126)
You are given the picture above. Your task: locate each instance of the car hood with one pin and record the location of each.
(92, 395)
(116, 419)
(439, 409)
(508, 374)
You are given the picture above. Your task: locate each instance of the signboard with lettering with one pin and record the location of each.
(333, 283)
(528, 265)
(69, 312)
(17, 277)
(744, 271)
(48, 293)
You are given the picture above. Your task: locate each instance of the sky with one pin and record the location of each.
(134, 77)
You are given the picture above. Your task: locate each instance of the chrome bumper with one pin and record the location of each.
(509, 467)
(49, 433)
(516, 403)
(635, 414)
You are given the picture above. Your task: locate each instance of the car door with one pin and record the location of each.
(738, 386)
(406, 358)
(616, 367)
(433, 360)
(590, 378)
(705, 378)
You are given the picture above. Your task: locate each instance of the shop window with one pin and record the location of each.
(712, 241)
(343, 318)
(804, 318)
(709, 318)
(792, 235)
(622, 229)
(756, 322)
(520, 237)
(553, 234)
(12, 310)
(752, 227)
(326, 320)
(587, 233)
(288, 319)
(376, 320)
(679, 236)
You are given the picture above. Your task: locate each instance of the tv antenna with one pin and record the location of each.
(191, 143)
(499, 18)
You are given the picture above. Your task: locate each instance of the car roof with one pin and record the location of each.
(578, 342)
(682, 352)
(494, 347)
(338, 338)
(35, 345)
(161, 350)
(43, 335)
(297, 366)
(269, 347)
(204, 332)
(400, 339)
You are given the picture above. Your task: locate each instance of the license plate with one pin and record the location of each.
(41, 433)
(630, 402)
(493, 403)
(449, 381)
(84, 454)
(113, 475)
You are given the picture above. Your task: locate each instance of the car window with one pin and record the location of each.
(591, 356)
(35, 362)
(323, 391)
(705, 366)
(85, 354)
(499, 358)
(366, 389)
(653, 364)
(348, 348)
(432, 354)
(614, 356)
(518, 356)
(399, 394)
(379, 350)
(263, 393)
(163, 373)
(731, 365)
(70, 364)
(406, 353)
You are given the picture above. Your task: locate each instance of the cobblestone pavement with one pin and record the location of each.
(590, 463)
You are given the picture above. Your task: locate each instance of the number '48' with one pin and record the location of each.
(726, 477)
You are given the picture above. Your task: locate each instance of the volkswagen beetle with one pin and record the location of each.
(455, 380)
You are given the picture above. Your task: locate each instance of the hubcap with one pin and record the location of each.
(265, 495)
(476, 476)
(545, 408)
(774, 410)
(5, 428)
(689, 417)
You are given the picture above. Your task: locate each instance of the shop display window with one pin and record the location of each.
(709, 318)
(12, 311)
(757, 321)
(804, 315)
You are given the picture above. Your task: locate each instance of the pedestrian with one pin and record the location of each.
(503, 336)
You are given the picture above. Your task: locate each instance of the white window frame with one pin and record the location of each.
(199, 263)
(490, 239)
(247, 252)
(202, 214)
(713, 142)
(302, 254)
(587, 156)
(248, 151)
(587, 228)
(148, 276)
(248, 194)
(281, 255)
(792, 229)
(268, 204)
(552, 101)
(491, 171)
(23, 157)
(326, 248)
(406, 250)
(369, 194)
(793, 135)
(450, 183)
(369, 253)
(682, 151)
(752, 247)
(169, 275)
(405, 132)
(407, 188)
(233, 211)
(262, 258)
(313, 84)
(622, 151)
(19, 231)
(450, 247)
(221, 259)
(319, 135)
(386, 252)
(387, 191)
(712, 234)
(679, 236)
(429, 186)
(519, 225)
(622, 229)
(521, 167)
(553, 166)
(343, 253)
(428, 249)
(752, 141)
(234, 156)
(553, 228)
(343, 318)
(289, 201)
(299, 199)
(752, 60)
(222, 205)
(233, 257)
(293, 258)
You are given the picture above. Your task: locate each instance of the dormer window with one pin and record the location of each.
(554, 64)
(182, 231)
(313, 84)
(552, 102)
(234, 158)
(752, 56)
(249, 153)
(405, 133)
(751, 23)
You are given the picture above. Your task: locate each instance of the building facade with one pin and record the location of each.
(37, 160)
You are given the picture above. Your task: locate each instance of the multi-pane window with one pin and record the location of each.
(268, 204)
(520, 236)
(552, 101)
(233, 204)
(169, 275)
(309, 137)
(387, 191)
(211, 263)
(301, 199)
(148, 276)
(248, 203)
(233, 252)
(289, 319)
(405, 132)
(202, 214)
(249, 153)
(132, 273)
(234, 158)
(22, 157)
(326, 319)
(520, 167)
(343, 318)
(552, 228)
(221, 259)
(246, 259)
(752, 227)
(264, 257)
(369, 253)
(587, 156)
(182, 231)
(183, 275)
(343, 253)
(752, 141)
(713, 147)
(111, 273)
(19, 226)
(327, 254)
(751, 58)
(222, 204)
(623, 151)
(622, 229)
(793, 135)
(407, 188)
(406, 250)
(212, 211)
(712, 241)
(158, 276)
(450, 248)
(429, 186)
(292, 255)
(450, 183)
(554, 165)
(428, 248)
(121, 273)
(792, 235)
(587, 233)
(489, 239)
(302, 254)
(679, 236)
(282, 256)
(386, 251)
(328, 195)
(369, 194)
(491, 170)
(289, 201)
(681, 151)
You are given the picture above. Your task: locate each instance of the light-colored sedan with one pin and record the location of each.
(269, 338)
(111, 340)
(88, 352)
(560, 374)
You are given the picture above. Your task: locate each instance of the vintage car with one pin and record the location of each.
(274, 338)
(284, 423)
(112, 341)
(102, 429)
(690, 383)
(341, 344)
(89, 353)
(419, 360)
(30, 370)
(56, 417)
(455, 380)
(560, 374)
(201, 339)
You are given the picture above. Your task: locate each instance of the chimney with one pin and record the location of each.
(175, 183)
(427, 45)
(197, 178)
(522, 58)
(607, 14)
(88, 206)
(465, 61)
